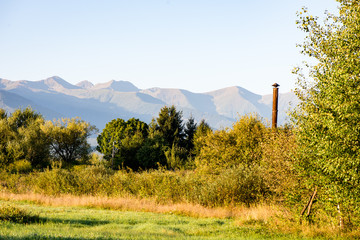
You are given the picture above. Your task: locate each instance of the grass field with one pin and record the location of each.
(91, 223)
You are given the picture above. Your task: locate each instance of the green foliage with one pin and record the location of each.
(22, 138)
(27, 141)
(23, 118)
(175, 157)
(68, 139)
(20, 166)
(202, 130)
(240, 145)
(55, 181)
(6, 135)
(233, 186)
(152, 152)
(3, 114)
(17, 215)
(169, 143)
(327, 119)
(123, 139)
(170, 126)
(278, 163)
(190, 130)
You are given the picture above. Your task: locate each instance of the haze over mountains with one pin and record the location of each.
(100, 103)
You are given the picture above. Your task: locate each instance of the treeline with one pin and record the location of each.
(167, 141)
(29, 142)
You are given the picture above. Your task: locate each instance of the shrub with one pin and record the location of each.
(17, 215)
(227, 148)
(233, 186)
(55, 181)
(21, 166)
(91, 179)
(278, 162)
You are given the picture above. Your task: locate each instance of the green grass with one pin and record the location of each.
(89, 223)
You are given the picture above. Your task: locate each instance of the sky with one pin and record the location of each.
(197, 45)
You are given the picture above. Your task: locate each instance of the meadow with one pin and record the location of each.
(71, 222)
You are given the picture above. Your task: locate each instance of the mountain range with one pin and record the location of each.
(98, 104)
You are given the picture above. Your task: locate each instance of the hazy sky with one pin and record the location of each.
(198, 45)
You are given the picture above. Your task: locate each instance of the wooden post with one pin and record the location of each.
(308, 205)
(275, 105)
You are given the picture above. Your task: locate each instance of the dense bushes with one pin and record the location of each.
(232, 186)
(238, 146)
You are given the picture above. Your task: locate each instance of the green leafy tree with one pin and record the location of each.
(68, 139)
(227, 148)
(23, 118)
(3, 114)
(123, 139)
(152, 153)
(202, 130)
(327, 119)
(35, 144)
(22, 138)
(6, 135)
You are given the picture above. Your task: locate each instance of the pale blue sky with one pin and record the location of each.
(198, 45)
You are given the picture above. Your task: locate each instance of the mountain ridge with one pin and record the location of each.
(102, 102)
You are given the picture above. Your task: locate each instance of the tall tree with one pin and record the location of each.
(68, 139)
(123, 139)
(166, 143)
(23, 139)
(190, 129)
(328, 116)
(170, 126)
(6, 135)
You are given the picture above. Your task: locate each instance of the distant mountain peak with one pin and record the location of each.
(85, 84)
(120, 86)
(103, 102)
(57, 82)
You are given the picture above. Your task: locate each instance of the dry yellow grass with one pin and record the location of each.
(147, 205)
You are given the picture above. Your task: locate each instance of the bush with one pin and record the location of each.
(17, 215)
(21, 166)
(54, 182)
(233, 186)
(278, 162)
(228, 148)
(91, 180)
